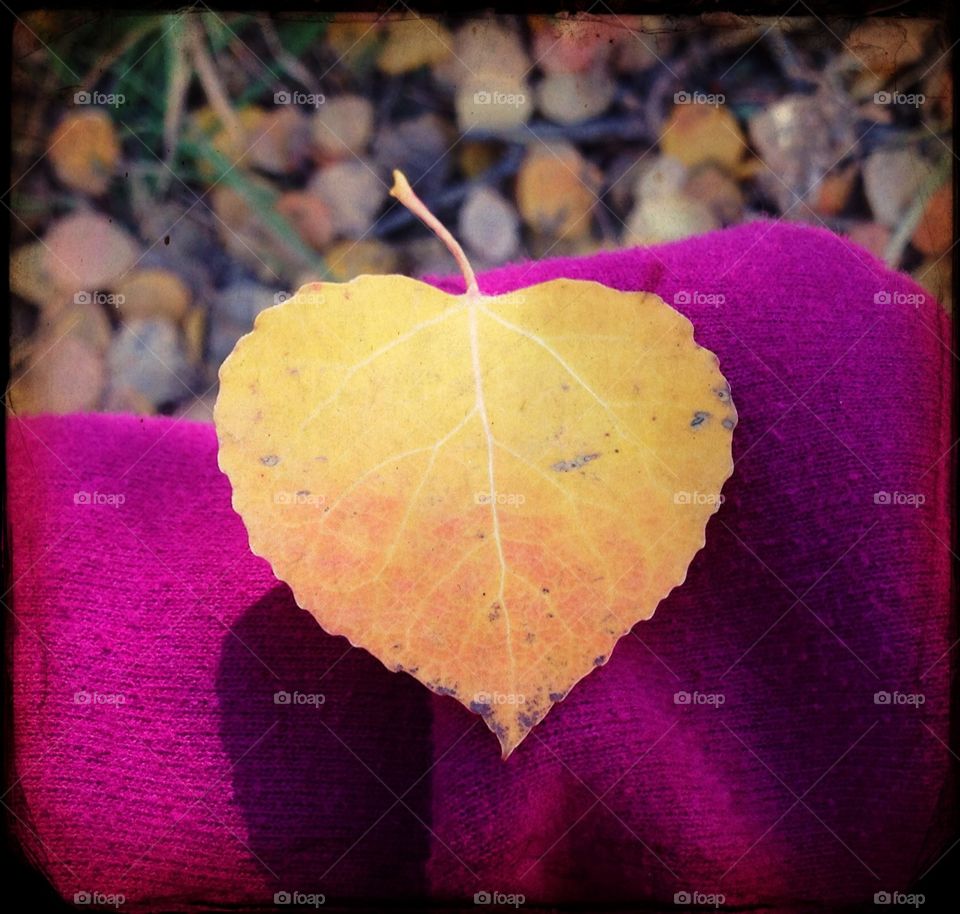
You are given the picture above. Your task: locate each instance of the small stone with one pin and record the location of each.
(489, 225)
(309, 215)
(571, 98)
(342, 126)
(891, 180)
(353, 192)
(799, 139)
(147, 356)
(668, 217)
(242, 301)
(494, 102)
(63, 376)
(86, 251)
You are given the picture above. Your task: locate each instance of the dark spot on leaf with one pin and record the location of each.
(722, 393)
(444, 690)
(556, 696)
(528, 721)
(728, 424)
(271, 460)
(599, 661)
(481, 708)
(544, 590)
(303, 493)
(698, 419)
(565, 466)
(530, 637)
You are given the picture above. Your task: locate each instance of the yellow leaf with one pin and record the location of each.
(698, 133)
(486, 492)
(414, 43)
(84, 151)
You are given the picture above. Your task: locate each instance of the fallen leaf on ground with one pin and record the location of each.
(414, 43)
(698, 133)
(934, 232)
(484, 492)
(152, 293)
(556, 190)
(84, 151)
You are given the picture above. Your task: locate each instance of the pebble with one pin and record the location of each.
(147, 356)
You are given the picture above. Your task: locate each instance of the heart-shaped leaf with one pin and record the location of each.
(486, 492)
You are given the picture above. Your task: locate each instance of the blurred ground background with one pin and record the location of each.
(175, 174)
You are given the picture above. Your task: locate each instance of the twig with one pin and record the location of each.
(286, 60)
(178, 82)
(597, 131)
(210, 80)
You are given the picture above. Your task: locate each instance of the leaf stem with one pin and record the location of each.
(403, 192)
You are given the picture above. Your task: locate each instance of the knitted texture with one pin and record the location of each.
(184, 735)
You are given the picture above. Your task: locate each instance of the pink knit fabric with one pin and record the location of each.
(733, 745)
